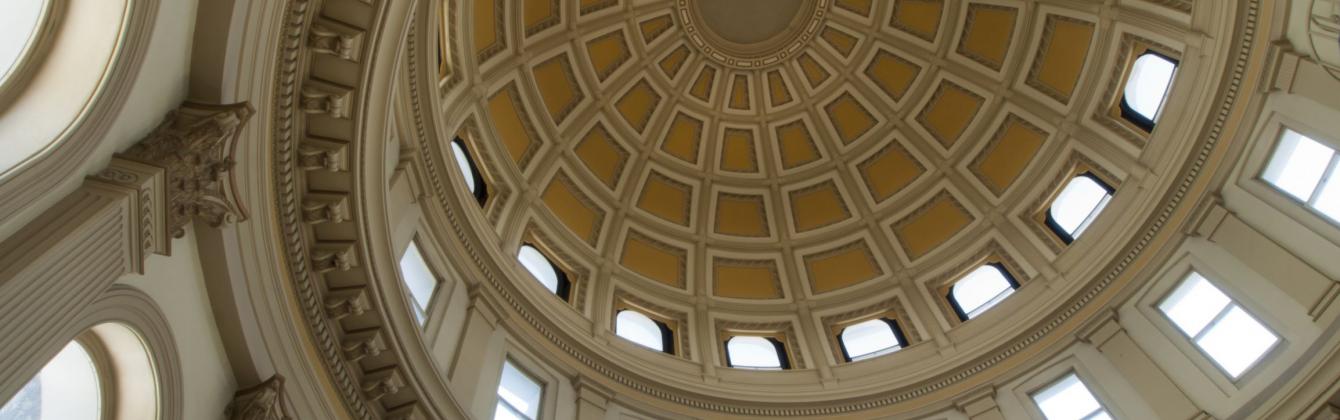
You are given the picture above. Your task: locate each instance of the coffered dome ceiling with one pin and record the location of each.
(792, 161)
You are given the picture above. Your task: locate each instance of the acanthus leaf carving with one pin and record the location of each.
(262, 402)
(196, 145)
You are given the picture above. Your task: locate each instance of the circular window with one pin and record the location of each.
(19, 20)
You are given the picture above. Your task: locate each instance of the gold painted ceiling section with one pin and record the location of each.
(892, 132)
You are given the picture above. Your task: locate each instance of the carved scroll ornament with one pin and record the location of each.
(196, 144)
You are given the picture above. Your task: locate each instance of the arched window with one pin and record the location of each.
(869, 339)
(980, 290)
(19, 21)
(1305, 169)
(544, 270)
(1077, 205)
(753, 352)
(1230, 336)
(419, 280)
(474, 180)
(1146, 89)
(644, 331)
(66, 389)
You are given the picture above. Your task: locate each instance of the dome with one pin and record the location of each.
(637, 209)
(784, 169)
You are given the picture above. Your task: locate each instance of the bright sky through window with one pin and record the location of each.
(752, 353)
(1069, 399)
(18, 20)
(419, 280)
(980, 290)
(1219, 326)
(463, 164)
(1147, 87)
(869, 339)
(66, 388)
(1078, 204)
(639, 329)
(518, 395)
(539, 267)
(1305, 169)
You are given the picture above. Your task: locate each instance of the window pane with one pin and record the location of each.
(66, 389)
(539, 267)
(1237, 341)
(18, 20)
(981, 289)
(753, 352)
(1298, 165)
(1194, 304)
(1328, 201)
(639, 329)
(1102, 415)
(520, 391)
(503, 412)
(463, 163)
(1151, 76)
(1077, 205)
(869, 339)
(1067, 399)
(419, 279)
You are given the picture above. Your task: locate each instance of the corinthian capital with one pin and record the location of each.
(196, 144)
(262, 402)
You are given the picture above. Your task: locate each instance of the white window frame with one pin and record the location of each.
(1102, 407)
(499, 401)
(507, 350)
(1182, 360)
(1114, 393)
(1250, 172)
(438, 280)
(1328, 175)
(1232, 303)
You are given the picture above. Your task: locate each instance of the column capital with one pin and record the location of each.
(196, 145)
(261, 402)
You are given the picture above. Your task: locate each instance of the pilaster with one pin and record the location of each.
(1106, 334)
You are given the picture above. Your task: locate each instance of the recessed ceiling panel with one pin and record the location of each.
(988, 30)
(602, 155)
(950, 110)
(608, 53)
(840, 267)
(931, 225)
(1015, 143)
(573, 208)
(666, 198)
(742, 215)
(514, 128)
(638, 104)
(654, 259)
(817, 206)
(558, 87)
(1063, 49)
(746, 278)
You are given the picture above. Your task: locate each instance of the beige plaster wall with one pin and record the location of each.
(159, 87)
(177, 285)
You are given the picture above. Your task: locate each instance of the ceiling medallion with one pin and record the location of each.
(750, 34)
